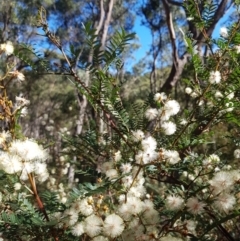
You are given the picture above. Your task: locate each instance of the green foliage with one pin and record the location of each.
(104, 88)
(124, 161)
(209, 12)
(111, 54)
(202, 17)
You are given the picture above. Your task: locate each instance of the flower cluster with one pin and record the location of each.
(25, 157)
(7, 48)
(133, 216)
(167, 109)
(222, 185)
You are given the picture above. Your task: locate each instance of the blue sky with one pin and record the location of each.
(145, 38)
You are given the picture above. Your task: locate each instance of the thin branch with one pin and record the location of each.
(171, 30)
(40, 203)
(217, 16)
(175, 3)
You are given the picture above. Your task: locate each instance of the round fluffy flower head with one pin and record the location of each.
(137, 135)
(229, 107)
(164, 115)
(117, 156)
(236, 153)
(23, 111)
(146, 156)
(171, 107)
(194, 94)
(225, 202)
(183, 122)
(230, 95)
(149, 143)
(20, 102)
(214, 158)
(28, 150)
(237, 48)
(17, 186)
(221, 181)
(188, 90)
(195, 206)
(174, 202)
(151, 114)
(93, 225)
(7, 48)
(40, 168)
(218, 95)
(70, 217)
(133, 206)
(171, 156)
(215, 77)
(160, 97)
(78, 229)
(4, 136)
(127, 181)
(112, 174)
(113, 225)
(106, 166)
(84, 207)
(125, 168)
(17, 75)
(224, 32)
(169, 127)
(10, 163)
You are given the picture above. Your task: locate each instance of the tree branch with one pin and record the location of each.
(179, 63)
(171, 30)
(217, 16)
(175, 3)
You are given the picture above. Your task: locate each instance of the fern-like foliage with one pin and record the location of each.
(208, 13)
(30, 57)
(202, 18)
(104, 58)
(103, 93)
(116, 46)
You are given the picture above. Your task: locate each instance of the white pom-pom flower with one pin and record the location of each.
(174, 202)
(151, 114)
(93, 225)
(171, 107)
(7, 48)
(160, 97)
(113, 225)
(194, 206)
(169, 127)
(224, 32)
(215, 77)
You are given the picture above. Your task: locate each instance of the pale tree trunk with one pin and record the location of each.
(102, 125)
(107, 23)
(82, 100)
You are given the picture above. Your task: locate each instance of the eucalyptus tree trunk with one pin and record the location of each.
(102, 24)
